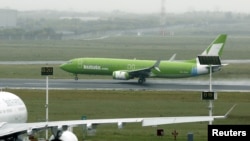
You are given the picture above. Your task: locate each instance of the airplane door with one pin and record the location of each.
(79, 63)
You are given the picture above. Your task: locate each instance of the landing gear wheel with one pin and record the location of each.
(141, 80)
(76, 77)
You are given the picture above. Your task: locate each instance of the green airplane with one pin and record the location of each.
(125, 69)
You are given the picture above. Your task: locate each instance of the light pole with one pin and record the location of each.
(210, 95)
(46, 71)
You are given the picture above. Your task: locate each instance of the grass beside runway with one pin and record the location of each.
(143, 47)
(72, 105)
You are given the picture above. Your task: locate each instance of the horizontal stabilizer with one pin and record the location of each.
(172, 58)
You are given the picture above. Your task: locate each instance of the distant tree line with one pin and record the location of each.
(22, 34)
(48, 24)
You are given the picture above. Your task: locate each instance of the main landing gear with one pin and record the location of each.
(141, 80)
(76, 77)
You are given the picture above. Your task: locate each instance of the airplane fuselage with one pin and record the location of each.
(12, 109)
(125, 69)
(106, 66)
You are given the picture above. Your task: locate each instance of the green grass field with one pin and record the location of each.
(147, 47)
(70, 105)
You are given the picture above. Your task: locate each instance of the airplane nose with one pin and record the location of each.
(67, 66)
(63, 66)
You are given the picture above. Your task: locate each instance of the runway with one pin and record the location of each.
(61, 62)
(104, 84)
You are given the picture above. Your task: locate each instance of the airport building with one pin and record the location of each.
(8, 18)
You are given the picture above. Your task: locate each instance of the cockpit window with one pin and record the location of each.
(69, 62)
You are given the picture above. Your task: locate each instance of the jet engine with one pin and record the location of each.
(121, 75)
(64, 136)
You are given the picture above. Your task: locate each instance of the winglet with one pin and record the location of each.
(228, 112)
(156, 65)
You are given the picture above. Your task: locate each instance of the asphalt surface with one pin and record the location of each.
(104, 84)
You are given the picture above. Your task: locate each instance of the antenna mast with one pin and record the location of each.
(163, 18)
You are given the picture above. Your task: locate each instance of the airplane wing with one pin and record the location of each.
(145, 72)
(30, 128)
(15, 129)
(10, 129)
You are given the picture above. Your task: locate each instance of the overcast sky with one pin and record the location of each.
(134, 6)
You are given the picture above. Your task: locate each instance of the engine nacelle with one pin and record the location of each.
(121, 75)
(65, 136)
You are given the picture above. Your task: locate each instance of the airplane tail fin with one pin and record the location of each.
(216, 47)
